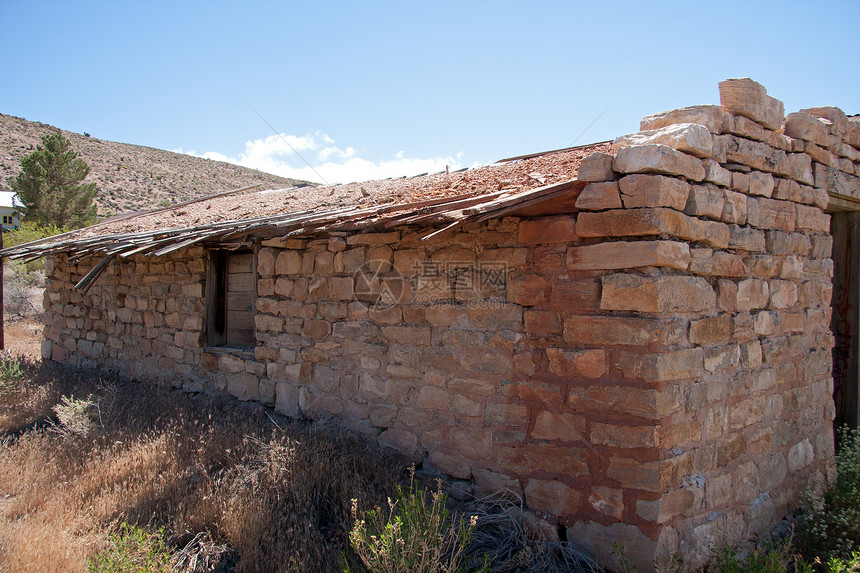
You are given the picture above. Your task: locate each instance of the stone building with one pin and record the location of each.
(635, 337)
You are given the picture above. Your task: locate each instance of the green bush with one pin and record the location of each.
(26, 233)
(133, 550)
(832, 527)
(416, 534)
(772, 557)
(30, 231)
(11, 371)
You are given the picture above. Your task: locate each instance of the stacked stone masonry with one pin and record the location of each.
(654, 369)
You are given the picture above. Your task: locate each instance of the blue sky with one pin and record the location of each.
(376, 89)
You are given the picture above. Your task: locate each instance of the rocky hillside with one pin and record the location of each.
(131, 177)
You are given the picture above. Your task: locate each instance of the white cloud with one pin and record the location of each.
(277, 154)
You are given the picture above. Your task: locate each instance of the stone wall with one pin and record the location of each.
(653, 369)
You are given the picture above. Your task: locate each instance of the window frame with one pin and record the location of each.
(217, 328)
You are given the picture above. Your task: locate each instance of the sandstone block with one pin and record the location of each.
(716, 174)
(318, 329)
(800, 168)
(622, 254)
(621, 436)
(761, 184)
(788, 190)
(812, 219)
(752, 294)
(489, 482)
(839, 125)
(527, 459)
(607, 500)
(800, 455)
(287, 400)
(740, 182)
(659, 159)
(854, 131)
(657, 294)
(433, 398)
(581, 363)
(640, 549)
(649, 476)
(746, 239)
(780, 243)
(807, 127)
(722, 357)
(783, 294)
(596, 167)
(712, 330)
(617, 330)
(652, 221)
(551, 496)
(415, 335)
(705, 201)
(677, 365)
(734, 208)
(244, 386)
(756, 155)
(775, 214)
(837, 182)
(542, 323)
(558, 426)
(766, 323)
(527, 289)
(401, 441)
(561, 229)
(711, 116)
(502, 414)
(690, 138)
(599, 196)
(748, 98)
(265, 262)
(646, 403)
(373, 238)
(452, 465)
(821, 155)
(727, 294)
(641, 190)
(742, 126)
(288, 263)
(672, 504)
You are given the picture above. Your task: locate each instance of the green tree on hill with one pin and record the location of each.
(50, 185)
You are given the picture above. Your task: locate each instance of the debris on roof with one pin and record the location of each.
(451, 199)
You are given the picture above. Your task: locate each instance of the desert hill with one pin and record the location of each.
(131, 177)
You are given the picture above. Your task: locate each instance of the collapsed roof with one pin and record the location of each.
(532, 185)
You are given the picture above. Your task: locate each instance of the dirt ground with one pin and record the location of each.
(22, 312)
(23, 336)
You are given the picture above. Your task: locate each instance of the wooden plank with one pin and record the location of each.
(558, 203)
(244, 338)
(550, 152)
(519, 198)
(842, 203)
(845, 323)
(240, 282)
(240, 263)
(240, 320)
(85, 283)
(240, 301)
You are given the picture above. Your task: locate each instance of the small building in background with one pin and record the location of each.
(9, 206)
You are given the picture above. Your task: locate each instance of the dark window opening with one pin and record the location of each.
(231, 286)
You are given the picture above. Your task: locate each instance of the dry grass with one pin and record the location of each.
(276, 494)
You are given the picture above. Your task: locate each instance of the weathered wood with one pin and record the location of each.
(845, 228)
(90, 278)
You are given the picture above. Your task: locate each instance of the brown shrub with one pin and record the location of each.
(277, 492)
